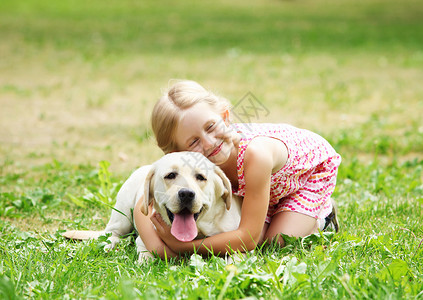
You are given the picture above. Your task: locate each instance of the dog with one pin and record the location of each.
(191, 194)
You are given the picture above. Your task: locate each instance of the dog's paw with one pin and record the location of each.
(145, 257)
(114, 240)
(235, 258)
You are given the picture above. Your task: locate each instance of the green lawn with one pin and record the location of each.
(78, 81)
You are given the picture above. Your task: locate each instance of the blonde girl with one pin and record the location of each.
(285, 175)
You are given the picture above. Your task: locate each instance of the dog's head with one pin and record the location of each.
(182, 186)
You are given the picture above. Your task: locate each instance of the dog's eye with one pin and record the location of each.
(200, 177)
(171, 175)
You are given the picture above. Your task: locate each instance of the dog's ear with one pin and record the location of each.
(148, 191)
(223, 187)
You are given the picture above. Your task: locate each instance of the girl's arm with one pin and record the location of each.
(148, 234)
(258, 167)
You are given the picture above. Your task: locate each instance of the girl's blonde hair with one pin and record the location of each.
(179, 97)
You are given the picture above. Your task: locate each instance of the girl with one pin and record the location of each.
(286, 175)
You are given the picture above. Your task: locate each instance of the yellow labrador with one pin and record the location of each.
(189, 192)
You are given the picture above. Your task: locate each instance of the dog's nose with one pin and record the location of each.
(186, 196)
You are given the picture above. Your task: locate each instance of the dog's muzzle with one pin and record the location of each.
(184, 226)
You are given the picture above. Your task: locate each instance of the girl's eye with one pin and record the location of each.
(193, 143)
(210, 127)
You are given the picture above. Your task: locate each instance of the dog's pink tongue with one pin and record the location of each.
(184, 227)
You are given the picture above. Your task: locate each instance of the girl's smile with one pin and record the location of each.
(216, 150)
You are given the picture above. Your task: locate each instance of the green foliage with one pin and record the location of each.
(378, 136)
(102, 193)
(45, 189)
(378, 254)
(205, 27)
(334, 266)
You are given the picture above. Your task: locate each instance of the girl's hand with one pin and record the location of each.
(149, 235)
(163, 230)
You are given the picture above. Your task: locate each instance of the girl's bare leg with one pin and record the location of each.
(291, 224)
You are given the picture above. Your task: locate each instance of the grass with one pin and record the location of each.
(375, 256)
(77, 85)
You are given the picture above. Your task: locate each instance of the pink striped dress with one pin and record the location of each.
(306, 182)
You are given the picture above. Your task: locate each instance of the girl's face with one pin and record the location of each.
(201, 129)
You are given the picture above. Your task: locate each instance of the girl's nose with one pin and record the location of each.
(209, 142)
